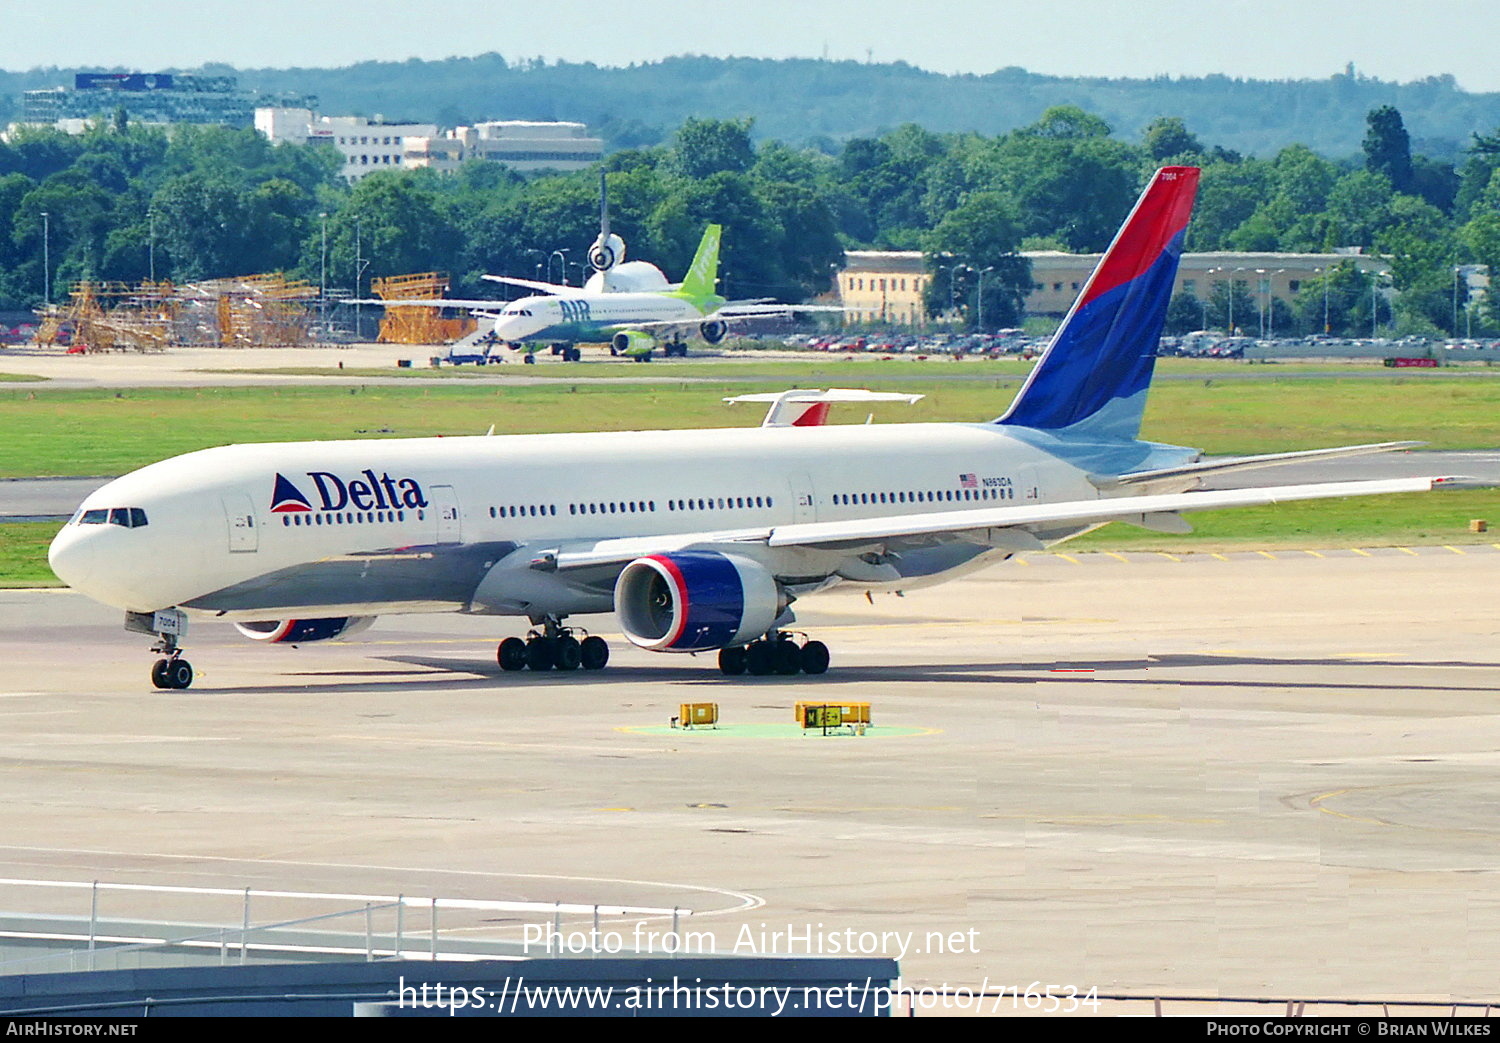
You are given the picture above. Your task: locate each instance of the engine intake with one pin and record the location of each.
(300, 631)
(714, 330)
(693, 601)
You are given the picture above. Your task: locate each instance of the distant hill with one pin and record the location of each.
(803, 100)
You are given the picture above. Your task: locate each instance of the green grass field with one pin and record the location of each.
(1227, 408)
(106, 432)
(23, 555)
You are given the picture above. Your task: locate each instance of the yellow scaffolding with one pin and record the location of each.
(247, 311)
(418, 325)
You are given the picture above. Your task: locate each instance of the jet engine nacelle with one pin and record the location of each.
(693, 601)
(632, 343)
(714, 330)
(607, 251)
(299, 631)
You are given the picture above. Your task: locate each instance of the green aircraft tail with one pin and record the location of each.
(702, 275)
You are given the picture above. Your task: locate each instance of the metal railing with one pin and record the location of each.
(114, 941)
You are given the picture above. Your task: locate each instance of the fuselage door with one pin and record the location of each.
(804, 498)
(240, 516)
(449, 520)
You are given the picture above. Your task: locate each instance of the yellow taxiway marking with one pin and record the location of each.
(1313, 553)
(1068, 558)
(1408, 550)
(1317, 804)
(1362, 553)
(1221, 557)
(1455, 550)
(1169, 557)
(1118, 557)
(1266, 554)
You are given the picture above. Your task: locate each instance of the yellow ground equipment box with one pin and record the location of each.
(698, 715)
(848, 713)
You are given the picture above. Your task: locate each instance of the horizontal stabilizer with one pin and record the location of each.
(809, 408)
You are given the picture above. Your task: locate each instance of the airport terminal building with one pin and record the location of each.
(886, 286)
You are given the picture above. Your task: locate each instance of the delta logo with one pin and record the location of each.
(366, 493)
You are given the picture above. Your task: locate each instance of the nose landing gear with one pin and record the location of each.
(168, 626)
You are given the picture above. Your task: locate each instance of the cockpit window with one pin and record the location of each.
(125, 517)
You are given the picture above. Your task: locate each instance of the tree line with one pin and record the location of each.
(125, 202)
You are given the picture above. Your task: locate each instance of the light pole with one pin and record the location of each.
(323, 276)
(1267, 322)
(151, 244)
(1375, 278)
(562, 260)
(980, 292)
(1327, 276)
(46, 257)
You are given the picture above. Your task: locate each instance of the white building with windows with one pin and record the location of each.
(366, 145)
(369, 145)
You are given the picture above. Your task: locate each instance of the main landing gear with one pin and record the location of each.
(555, 648)
(776, 653)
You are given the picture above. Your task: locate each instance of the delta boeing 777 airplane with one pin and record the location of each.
(699, 544)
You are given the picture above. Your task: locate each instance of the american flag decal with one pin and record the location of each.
(968, 481)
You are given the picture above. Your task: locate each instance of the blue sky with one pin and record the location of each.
(1392, 39)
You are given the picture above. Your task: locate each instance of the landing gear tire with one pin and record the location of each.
(732, 661)
(568, 654)
(593, 653)
(760, 658)
(814, 658)
(172, 673)
(511, 655)
(179, 673)
(541, 653)
(787, 658)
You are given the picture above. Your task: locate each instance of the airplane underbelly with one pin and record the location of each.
(434, 578)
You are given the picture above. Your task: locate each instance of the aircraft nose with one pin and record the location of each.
(73, 556)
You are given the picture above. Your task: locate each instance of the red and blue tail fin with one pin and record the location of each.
(1093, 377)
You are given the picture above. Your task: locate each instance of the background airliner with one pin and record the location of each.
(629, 305)
(695, 544)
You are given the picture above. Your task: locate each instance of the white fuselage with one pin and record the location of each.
(590, 316)
(407, 525)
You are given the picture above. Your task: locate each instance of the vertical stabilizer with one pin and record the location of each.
(1092, 380)
(703, 274)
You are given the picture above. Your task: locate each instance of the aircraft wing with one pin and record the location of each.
(533, 284)
(1246, 463)
(441, 302)
(750, 311)
(1010, 527)
(1133, 509)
